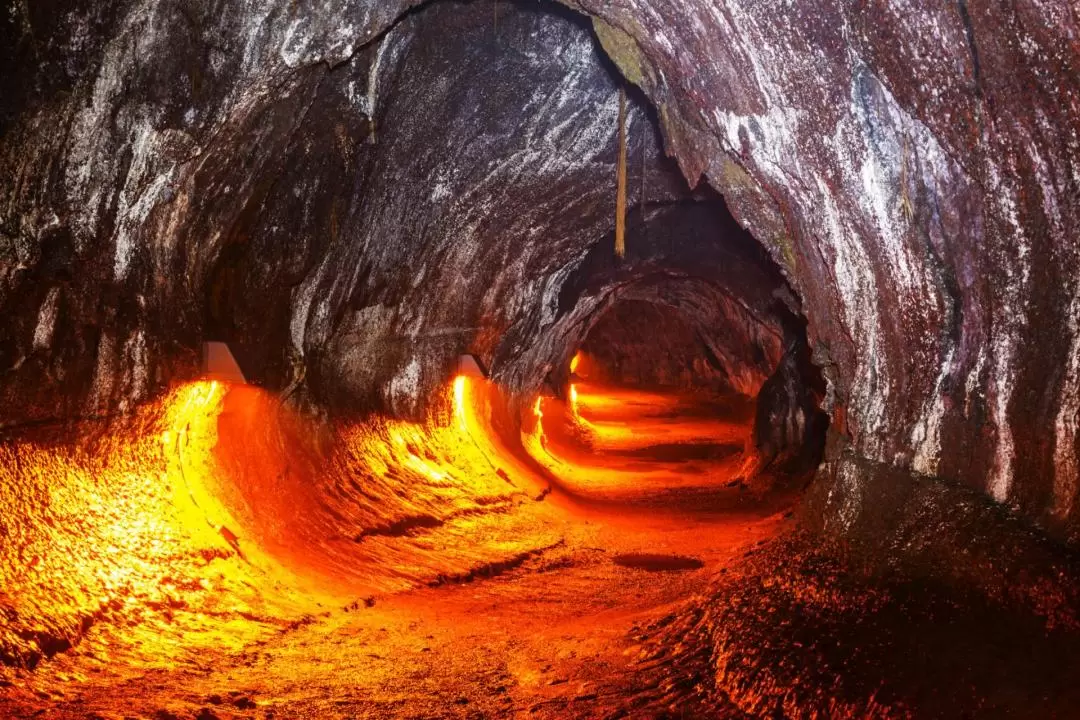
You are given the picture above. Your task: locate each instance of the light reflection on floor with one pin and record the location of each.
(220, 532)
(627, 445)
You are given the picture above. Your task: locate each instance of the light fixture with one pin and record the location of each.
(217, 363)
(469, 366)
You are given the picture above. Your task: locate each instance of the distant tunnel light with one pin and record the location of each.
(468, 368)
(218, 363)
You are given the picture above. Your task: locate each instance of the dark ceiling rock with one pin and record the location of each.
(913, 167)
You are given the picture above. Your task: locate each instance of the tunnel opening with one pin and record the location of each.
(695, 327)
(673, 392)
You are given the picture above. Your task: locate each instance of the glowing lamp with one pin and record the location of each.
(217, 363)
(469, 366)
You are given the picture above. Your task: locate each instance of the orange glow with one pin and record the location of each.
(124, 523)
(533, 439)
(459, 401)
(216, 497)
(219, 525)
(575, 361)
(442, 472)
(586, 444)
(585, 429)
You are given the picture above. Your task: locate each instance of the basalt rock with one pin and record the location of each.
(914, 168)
(335, 187)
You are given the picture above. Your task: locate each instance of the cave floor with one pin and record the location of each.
(550, 639)
(677, 596)
(550, 635)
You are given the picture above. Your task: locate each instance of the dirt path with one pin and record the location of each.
(550, 634)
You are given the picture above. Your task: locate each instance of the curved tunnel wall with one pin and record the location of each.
(418, 202)
(219, 505)
(644, 344)
(915, 174)
(914, 170)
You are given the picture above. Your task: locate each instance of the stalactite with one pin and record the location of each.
(620, 197)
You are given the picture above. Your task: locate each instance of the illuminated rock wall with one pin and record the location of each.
(216, 512)
(912, 166)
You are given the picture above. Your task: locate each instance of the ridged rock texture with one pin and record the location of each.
(644, 344)
(352, 196)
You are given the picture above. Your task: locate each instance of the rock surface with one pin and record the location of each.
(331, 188)
(914, 168)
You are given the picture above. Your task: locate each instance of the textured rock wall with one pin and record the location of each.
(356, 228)
(491, 177)
(914, 167)
(647, 344)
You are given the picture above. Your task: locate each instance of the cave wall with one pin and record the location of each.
(642, 344)
(493, 174)
(351, 229)
(914, 167)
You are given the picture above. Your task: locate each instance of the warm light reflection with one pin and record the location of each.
(126, 523)
(216, 505)
(452, 474)
(585, 429)
(575, 361)
(533, 439)
(590, 441)
(459, 401)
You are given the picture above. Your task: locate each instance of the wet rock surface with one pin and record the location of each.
(912, 169)
(353, 193)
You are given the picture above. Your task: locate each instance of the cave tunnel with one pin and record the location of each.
(514, 358)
